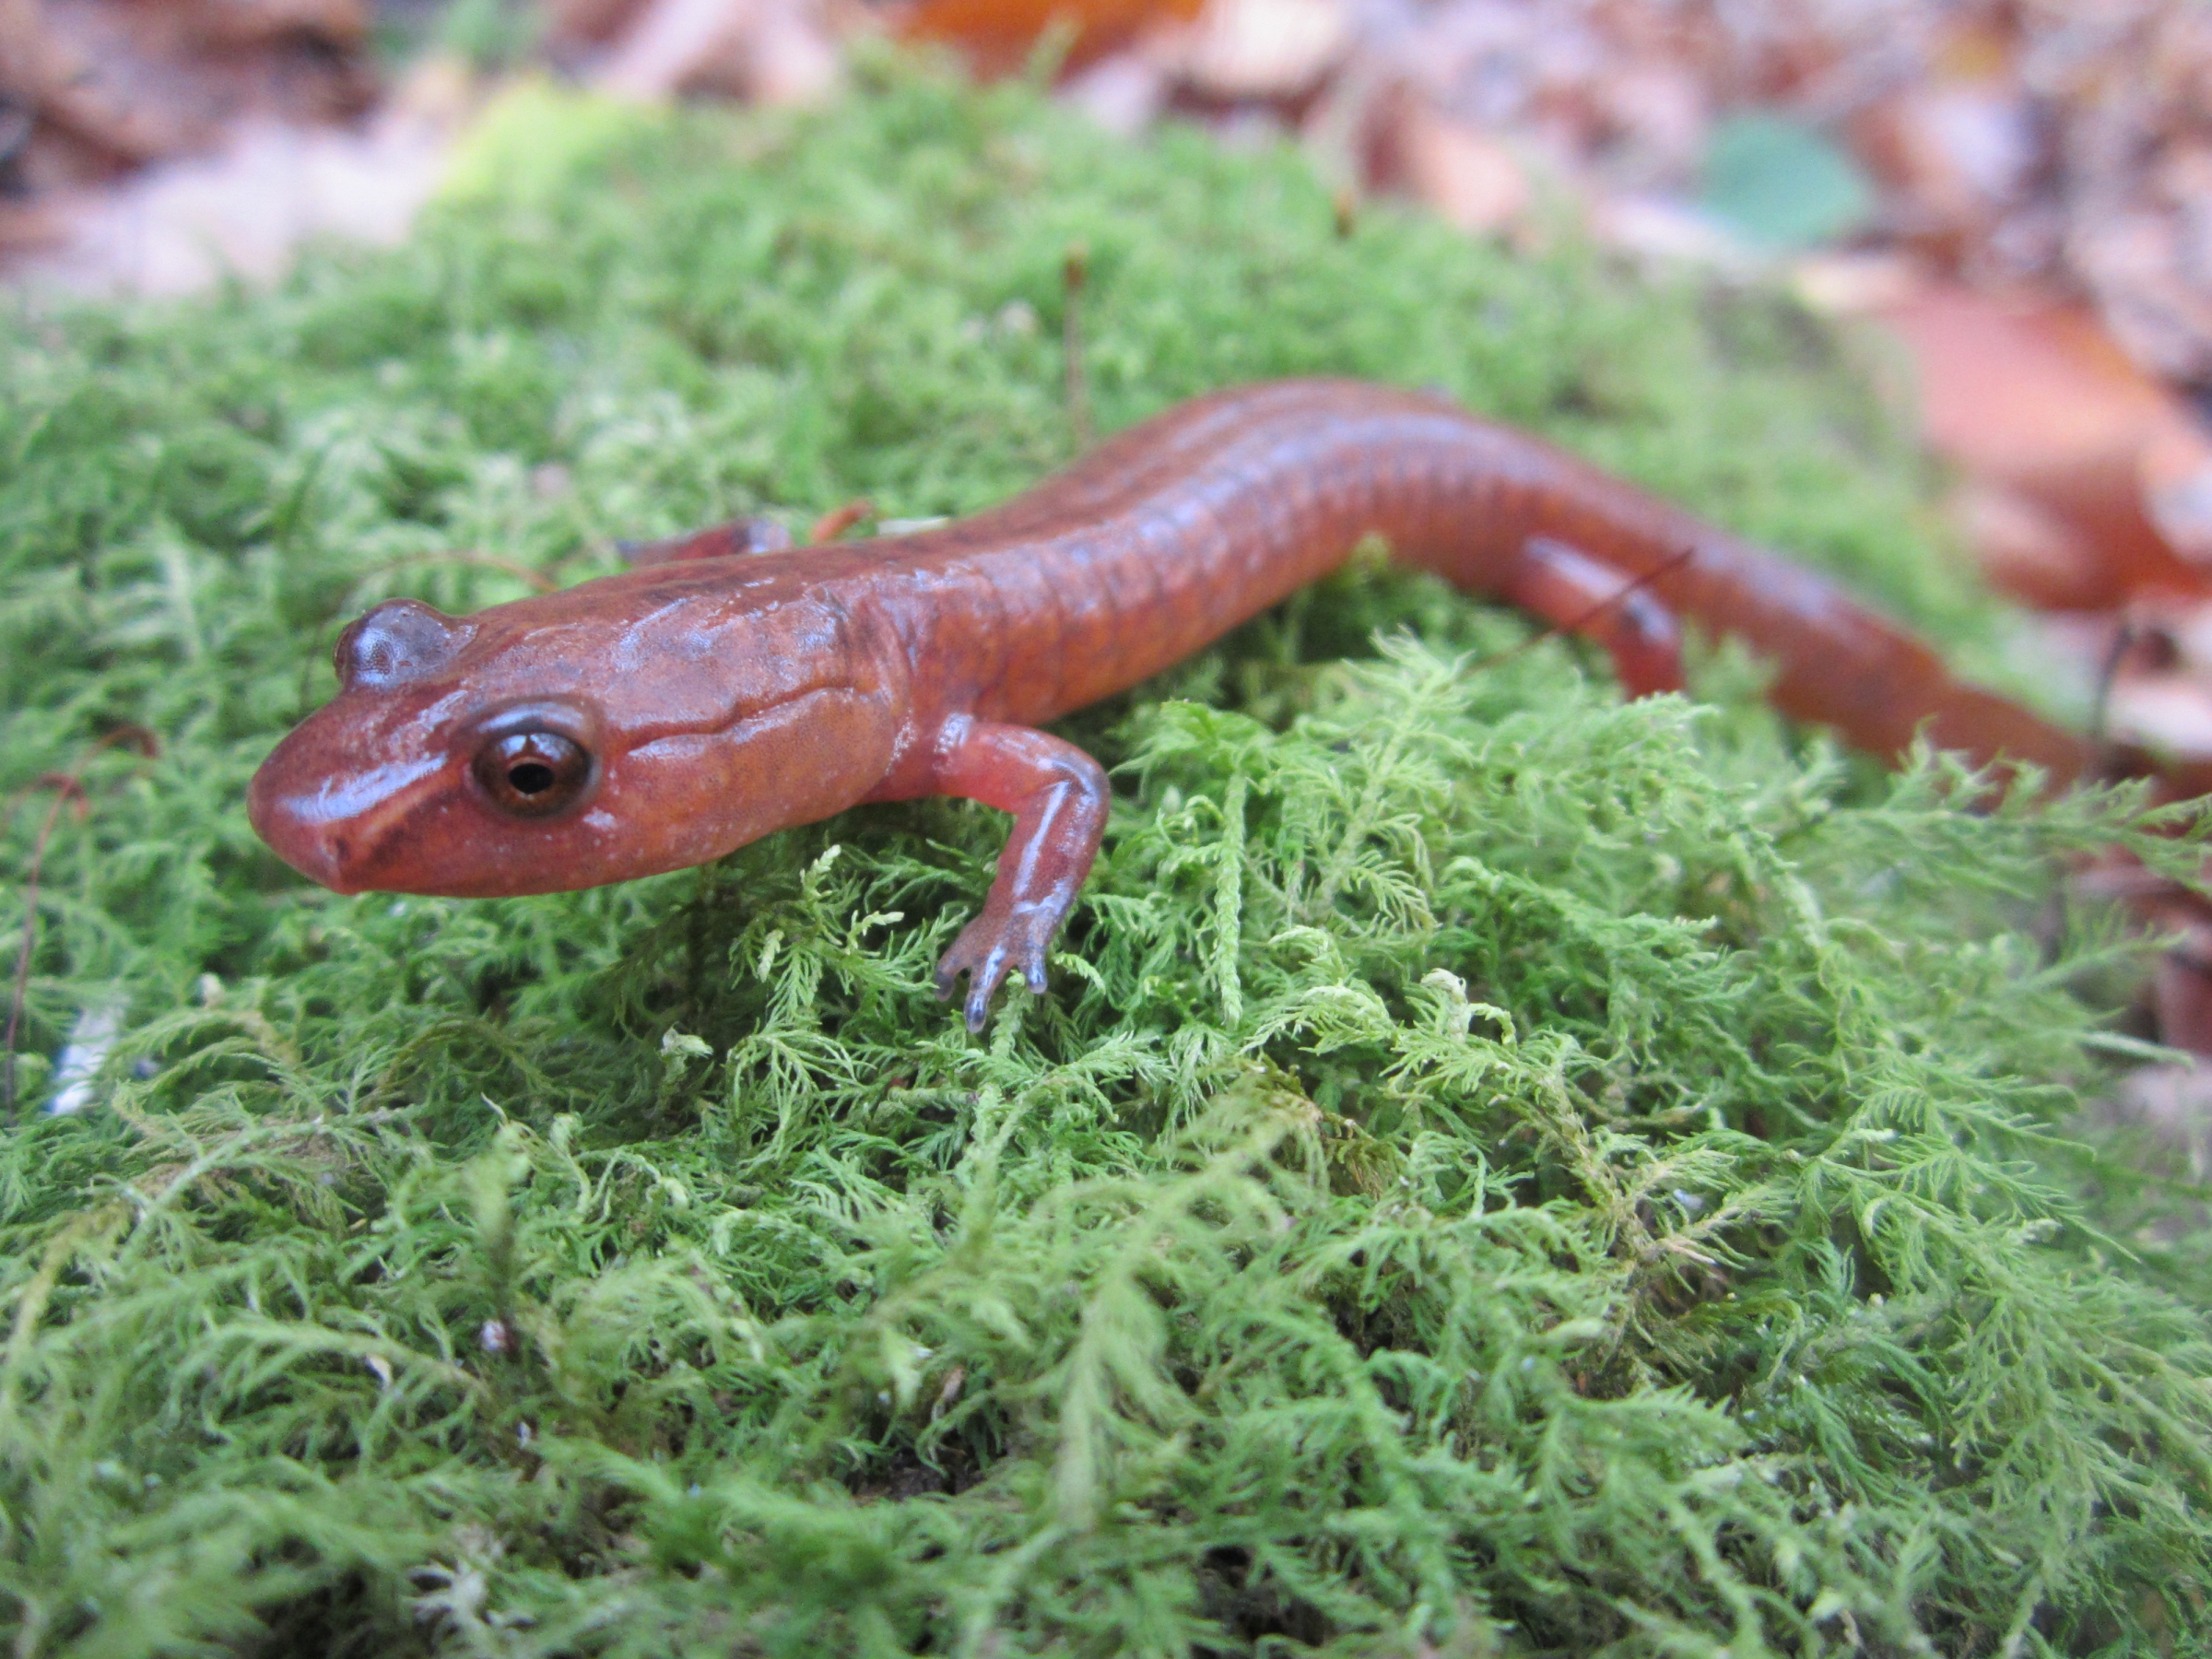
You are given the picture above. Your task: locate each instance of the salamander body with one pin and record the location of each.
(664, 716)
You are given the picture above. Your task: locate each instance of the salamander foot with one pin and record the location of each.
(1057, 795)
(1004, 938)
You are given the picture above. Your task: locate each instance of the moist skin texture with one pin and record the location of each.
(662, 717)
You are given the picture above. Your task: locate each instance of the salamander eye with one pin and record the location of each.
(533, 774)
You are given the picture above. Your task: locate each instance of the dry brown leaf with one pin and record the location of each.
(586, 23)
(669, 41)
(137, 81)
(1656, 120)
(774, 51)
(1258, 50)
(2035, 400)
(2127, 88)
(1123, 91)
(793, 57)
(243, 208)
(257, 22)
(2028, 550)
(1959, 153)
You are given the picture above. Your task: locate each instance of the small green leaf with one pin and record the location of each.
(1781, 183)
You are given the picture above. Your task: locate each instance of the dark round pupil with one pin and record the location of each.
(533, 774)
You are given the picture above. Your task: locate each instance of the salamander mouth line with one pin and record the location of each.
(371, 836)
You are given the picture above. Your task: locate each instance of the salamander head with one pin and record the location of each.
(571, 740)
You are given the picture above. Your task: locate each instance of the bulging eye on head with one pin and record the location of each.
(534, 774)
(536, 762)
(399, 641)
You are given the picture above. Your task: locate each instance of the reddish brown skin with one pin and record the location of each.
(731, 686)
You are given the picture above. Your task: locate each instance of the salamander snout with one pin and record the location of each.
(329, 799)
(319, 855)
(322, 821)
(382, 793)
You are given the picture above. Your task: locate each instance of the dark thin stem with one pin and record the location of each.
(1345, 205)
(2108, 671)
(1076, 277)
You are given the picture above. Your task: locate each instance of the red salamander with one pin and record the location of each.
(664, 716)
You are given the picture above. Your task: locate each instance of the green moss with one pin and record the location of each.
(1498, 1171)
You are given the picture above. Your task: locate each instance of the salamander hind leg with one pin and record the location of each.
(1609, 607)
(1058, 796)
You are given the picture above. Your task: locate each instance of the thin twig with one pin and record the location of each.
(68, 788)
(1345, 205)
(838, 519)
(1074, 276)
(2108, 672)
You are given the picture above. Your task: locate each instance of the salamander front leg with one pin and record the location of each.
(1058, 796)
(722, 541)
(1576, 593)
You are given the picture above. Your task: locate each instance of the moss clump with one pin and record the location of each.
(1498, 1172)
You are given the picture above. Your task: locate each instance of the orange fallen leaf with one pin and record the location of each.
(2092, 477)
(998, 36)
